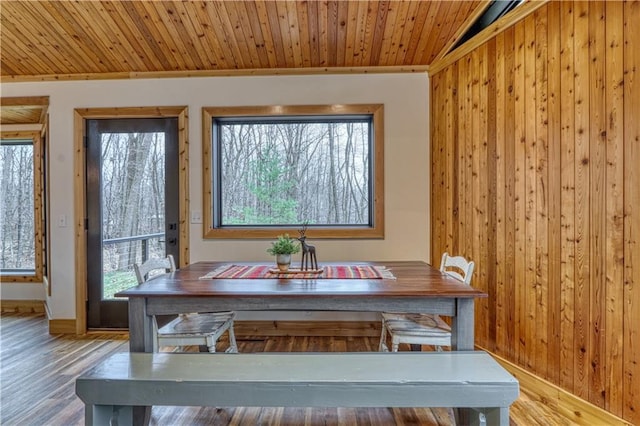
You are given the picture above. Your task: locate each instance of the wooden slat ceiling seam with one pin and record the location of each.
(466, 20)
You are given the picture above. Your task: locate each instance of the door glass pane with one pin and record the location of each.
(133, 205)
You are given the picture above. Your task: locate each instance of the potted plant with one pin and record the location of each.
(283, 248)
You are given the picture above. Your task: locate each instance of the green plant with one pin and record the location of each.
(284, 245)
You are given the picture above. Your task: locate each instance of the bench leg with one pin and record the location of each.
(141, 415)
(464, 416)
(482, 416)
(108, 415)
(497, 416)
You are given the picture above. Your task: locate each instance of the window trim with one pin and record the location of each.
(376, 231)
(38, 213)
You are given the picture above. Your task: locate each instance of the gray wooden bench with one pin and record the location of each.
(358, 379)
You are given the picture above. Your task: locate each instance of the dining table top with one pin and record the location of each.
(411, 278)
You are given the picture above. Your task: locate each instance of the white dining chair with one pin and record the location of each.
(424, 329)
(201, 329)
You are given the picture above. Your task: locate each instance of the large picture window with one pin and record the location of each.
(21, 214)
(271, 169)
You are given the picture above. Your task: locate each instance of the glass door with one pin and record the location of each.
(132, 207)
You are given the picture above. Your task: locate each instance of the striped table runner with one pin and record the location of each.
(329, 271)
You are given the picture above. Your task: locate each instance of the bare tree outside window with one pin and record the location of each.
(293, 170)
(132, 204)
(17, 245)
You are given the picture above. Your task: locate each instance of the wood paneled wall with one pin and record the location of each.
(536, 176)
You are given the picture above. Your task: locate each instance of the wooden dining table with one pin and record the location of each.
(417, 287)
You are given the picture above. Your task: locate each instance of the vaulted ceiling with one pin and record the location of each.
(43, 40)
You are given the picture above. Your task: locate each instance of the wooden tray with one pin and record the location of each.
(293, 271)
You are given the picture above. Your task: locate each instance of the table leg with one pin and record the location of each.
(140, 340)
(462, 326)
(140, 326)
(462, 339)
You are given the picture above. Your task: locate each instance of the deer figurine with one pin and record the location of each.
(308, 251)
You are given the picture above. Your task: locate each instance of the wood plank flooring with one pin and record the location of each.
(38, 373)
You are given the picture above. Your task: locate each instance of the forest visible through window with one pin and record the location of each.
(133, 204)
(17, 246)
(293, 170)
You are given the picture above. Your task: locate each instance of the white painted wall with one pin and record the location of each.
(407, 177)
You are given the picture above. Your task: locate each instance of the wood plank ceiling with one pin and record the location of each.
(44, 40)
(23, 111)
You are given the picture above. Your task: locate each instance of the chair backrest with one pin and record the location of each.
(142, 271)
(458, 267)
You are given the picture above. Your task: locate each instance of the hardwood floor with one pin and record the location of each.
(38, 374)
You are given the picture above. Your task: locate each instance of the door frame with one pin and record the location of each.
(79, 165)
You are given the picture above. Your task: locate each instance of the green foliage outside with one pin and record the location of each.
(117, 281)
(283, 212)
(272, 187)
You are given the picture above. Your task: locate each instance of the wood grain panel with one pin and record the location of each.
(351, 33)
(519, 194)
(295, 35)
(501, 90)
(581, 218)
(541, 185)
(567, 191)
(475, 154)
(209, 46)
(485, 244)
(379, 25)
(531, 323)
(419, 18)
(119, 25)
(438, 214)
(442, 20)
(155, 38)
(554, 230)
(509, 184)
(548, 160)
(55, 36)
(598, 207)
(260, 28)
(614, 193)
(463, 154)
(341, 33)
(313, 33)
(271, 30)
(451, 133)
(631, 126)
(490, 202)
